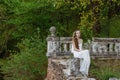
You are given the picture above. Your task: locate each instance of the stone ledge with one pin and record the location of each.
(114, 79)
(62, 69)
(80, 78)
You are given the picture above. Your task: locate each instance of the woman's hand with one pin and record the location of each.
(78, 50)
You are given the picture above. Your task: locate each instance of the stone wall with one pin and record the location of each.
(64, 69)
(54, 71)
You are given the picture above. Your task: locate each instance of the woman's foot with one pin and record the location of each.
(84, 74)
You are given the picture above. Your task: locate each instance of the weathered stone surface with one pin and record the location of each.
(74, 66)
(64, 69)
(74, 78)
(88, 79)
(98, 47)
(54, 71)
(114, 79)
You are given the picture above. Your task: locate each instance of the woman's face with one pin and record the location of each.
(78, 34)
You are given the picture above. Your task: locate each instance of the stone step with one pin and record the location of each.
(80, 78)
(114, 79)
(87, 79)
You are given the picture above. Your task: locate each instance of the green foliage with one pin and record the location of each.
(105, 73)
(26, 16)
(20, 18)
(115, 27)
(111, 29)
(29, 64)
(103, 70)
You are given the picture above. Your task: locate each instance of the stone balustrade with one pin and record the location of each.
(105, 47)
(61, 63)
(98, 47)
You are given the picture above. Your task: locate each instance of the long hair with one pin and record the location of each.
(74, 38)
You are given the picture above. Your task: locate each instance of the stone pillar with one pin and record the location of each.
(52, 43)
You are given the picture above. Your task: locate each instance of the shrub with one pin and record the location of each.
(29, 63)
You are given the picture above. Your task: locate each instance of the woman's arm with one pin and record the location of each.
(75, 47)
(81, 41)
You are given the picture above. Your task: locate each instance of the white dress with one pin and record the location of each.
(84, 54)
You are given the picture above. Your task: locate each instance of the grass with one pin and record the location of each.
(100, 69)
(105, 69)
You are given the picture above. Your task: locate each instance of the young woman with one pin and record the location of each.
(78, 52)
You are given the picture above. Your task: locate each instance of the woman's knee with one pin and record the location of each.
(87, 51)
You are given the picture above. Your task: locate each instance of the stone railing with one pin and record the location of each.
(62, 64)
(58, 46)
(98, 47)
(105, 47)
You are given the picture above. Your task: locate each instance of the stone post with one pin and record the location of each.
(52, 43)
